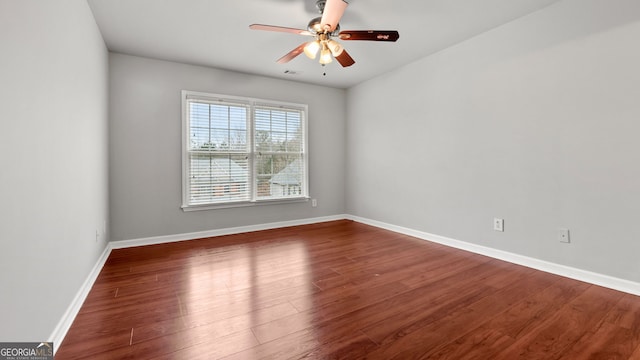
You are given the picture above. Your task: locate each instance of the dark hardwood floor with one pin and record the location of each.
(341, 290)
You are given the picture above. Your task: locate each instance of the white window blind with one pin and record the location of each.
(242, 151)
(278, 152)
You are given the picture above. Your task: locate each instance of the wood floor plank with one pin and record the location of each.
(218, 324)
(285, 326)
(530, 312)
(341, 290)
(86, 345)
(556, 336)
(293, 346)
(454, 292)
(355, 346)
(608, 341)
(421, 338)
(626, 313)
(481, 343)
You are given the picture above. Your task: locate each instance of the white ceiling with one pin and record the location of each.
(216, 33)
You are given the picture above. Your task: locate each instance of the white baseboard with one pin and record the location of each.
(58, 334)
(121, 244)
(582, 275)
(553, 268)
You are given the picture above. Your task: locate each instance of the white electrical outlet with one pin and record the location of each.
(314, 202)
(563, 236)
(498, 224)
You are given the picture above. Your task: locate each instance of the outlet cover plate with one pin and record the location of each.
(563, 236)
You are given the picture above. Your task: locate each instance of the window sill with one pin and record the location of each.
(189, 208)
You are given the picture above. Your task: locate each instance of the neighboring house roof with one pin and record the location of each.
(290, 175)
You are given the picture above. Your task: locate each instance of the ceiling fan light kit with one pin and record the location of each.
(323, 29)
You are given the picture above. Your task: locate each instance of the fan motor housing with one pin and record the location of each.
(314, 26)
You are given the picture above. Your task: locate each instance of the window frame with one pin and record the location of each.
(187, 96)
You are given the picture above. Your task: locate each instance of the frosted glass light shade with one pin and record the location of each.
(325, 56)
(335, 47)
(311, 50)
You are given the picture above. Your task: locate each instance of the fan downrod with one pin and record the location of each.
(314, 24)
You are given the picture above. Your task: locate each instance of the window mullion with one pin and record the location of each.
(250, 152)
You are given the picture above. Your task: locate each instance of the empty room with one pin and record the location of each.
(320, 179)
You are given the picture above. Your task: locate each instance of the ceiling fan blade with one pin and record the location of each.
(292, 54)
(333, 10)
(279, 29)
(345, 59)
(371, 35)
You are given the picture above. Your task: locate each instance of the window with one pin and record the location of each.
(241, 151)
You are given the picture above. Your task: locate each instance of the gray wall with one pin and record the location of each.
(536, 122)
(145, 147)
(53, 151)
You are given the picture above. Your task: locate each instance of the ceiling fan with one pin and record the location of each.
(325, 27)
